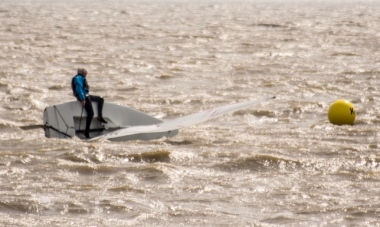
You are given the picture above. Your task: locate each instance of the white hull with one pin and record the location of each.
(65, 120)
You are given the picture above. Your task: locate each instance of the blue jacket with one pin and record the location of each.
(80, 87)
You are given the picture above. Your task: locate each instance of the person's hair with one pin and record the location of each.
(82, 71)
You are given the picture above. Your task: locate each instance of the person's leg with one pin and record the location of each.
(100, 102)
(90, 115)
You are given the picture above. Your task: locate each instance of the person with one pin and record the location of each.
(80, 91)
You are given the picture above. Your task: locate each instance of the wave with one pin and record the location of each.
(270, 25)
(148, 157)
(155, 156)
(257, 163)
(21, 205)
(257, 113)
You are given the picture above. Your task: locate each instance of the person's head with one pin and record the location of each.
(82, 71)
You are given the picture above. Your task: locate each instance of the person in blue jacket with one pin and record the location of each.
(80, 91)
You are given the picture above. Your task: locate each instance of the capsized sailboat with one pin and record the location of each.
(67, 120)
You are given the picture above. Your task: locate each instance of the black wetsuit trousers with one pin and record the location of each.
(90, 110)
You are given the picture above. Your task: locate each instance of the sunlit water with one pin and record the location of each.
(278, 163)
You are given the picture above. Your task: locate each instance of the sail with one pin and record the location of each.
(181, 122)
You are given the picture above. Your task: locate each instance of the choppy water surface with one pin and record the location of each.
(278, 163)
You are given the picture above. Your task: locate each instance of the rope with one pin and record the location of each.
(58, 130)
(65, 134)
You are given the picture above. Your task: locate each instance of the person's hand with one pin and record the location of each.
(83, 102)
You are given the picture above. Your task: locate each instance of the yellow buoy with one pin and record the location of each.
(342, 112)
